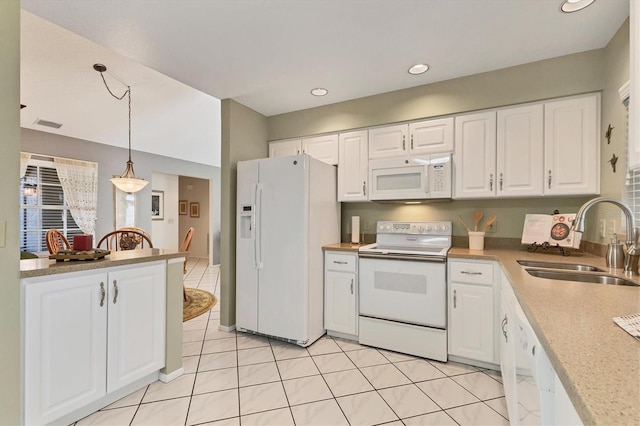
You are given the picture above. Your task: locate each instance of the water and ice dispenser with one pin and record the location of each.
(247, 221)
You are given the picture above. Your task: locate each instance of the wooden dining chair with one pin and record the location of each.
(186, 244)
(125, 240)
(56, 241)
(135, 228)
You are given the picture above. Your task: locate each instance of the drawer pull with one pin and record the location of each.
(471, 273)
(340, 262)
(351, 285)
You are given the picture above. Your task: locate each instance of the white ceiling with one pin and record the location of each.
(268, 54)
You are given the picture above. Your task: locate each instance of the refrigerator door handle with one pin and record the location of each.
(257, 241)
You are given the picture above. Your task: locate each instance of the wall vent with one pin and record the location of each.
(48, 123)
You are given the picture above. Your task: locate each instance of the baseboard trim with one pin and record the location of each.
(171, 376)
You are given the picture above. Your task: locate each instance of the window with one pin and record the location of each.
(43, 207)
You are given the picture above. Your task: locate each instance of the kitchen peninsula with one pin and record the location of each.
(94, 331)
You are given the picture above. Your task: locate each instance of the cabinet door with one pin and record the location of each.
(65, 345)
(471, 327)
(572, 146)
(475, 155)
(340, 312)
(323, 148)
(353, 171)
(136, 324)
(431, 136)
(285, 148)
(507, 350)
(390, 141)
(520, 148)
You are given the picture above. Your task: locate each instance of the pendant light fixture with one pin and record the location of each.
(128, 181)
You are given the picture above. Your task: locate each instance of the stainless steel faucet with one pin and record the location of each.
(633, 233)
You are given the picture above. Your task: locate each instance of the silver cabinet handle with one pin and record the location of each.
(115, 287)
(351, 285)
(501, 181)
(340, 262)
(504, 325)
(103, 294)
(549, 179)
(364, 188)
(533, 350)
(411, 141)
(491, 182)
(454, 298)
(470, 273)
(403, 144)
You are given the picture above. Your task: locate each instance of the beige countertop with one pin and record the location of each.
(42, 267)
(597, 362)
(343, 247)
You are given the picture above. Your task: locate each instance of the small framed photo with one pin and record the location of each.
(157, 205)
(194, 209)
(182, 207)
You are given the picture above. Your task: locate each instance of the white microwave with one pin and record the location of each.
(410, 178)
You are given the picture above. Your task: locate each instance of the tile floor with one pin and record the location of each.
(239, 379)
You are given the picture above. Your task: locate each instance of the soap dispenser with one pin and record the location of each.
(615, 253)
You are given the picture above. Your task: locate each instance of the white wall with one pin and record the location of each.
(164, 232)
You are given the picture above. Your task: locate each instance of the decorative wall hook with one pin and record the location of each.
(607, 135)
(613, 162)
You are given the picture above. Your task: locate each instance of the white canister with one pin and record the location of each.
(355, 229)
(476, 240)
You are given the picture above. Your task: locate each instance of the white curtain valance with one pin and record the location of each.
(79, 180)
(24, 162)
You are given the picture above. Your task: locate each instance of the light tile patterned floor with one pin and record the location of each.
(239, 379)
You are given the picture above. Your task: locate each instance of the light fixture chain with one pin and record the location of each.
(127, 92)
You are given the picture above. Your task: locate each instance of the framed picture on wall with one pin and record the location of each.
(194, 209)
(157, 205)
(182, 207)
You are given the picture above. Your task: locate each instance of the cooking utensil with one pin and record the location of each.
(465, 225)
(490, 221)
(477, 217)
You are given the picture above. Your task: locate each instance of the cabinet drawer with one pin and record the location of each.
(341, 262)
(473, 273)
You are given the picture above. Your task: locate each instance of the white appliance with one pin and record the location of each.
(403, 288)
(286, 212)
(410, 178)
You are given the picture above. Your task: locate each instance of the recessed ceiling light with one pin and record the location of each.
(418, 69)
(574, 5)
(319, 91)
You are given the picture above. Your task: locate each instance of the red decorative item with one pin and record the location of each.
(82, 242)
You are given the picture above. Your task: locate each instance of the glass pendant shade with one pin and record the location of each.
(128, 181)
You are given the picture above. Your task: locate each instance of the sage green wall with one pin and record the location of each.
(10, 387)
(597, 70)
(244, 136)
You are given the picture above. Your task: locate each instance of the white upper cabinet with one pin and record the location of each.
(353, 172)
(285, 147)
(431, 136)
(424, 137)
(519, 153)
(475, 155)
(323, 148)
(572, 146)
(389, 141)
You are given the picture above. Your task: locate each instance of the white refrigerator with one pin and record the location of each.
(287, 210)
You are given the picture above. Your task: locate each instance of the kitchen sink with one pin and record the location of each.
(585, 278)
(558, 265)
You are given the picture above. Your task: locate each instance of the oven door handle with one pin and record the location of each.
(434, 259)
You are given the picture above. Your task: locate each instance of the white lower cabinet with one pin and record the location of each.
(341, 293)
(471, 311)
(87, 335)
